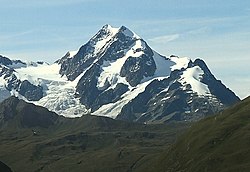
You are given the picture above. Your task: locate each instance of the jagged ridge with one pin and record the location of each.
(116, 73)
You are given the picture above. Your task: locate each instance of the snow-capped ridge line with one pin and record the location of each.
(116, 74)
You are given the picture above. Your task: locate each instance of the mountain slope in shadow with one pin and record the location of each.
(4, 167)
(217, 143)
(35, 139)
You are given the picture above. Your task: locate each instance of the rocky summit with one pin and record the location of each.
(116, 74)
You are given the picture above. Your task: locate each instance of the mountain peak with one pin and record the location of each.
(128, 32)
(109, 28)
(123, 29)
(116, 74)
(119, 70)
(5, 61)
(203, 65)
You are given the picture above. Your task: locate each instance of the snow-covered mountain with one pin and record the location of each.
(40, 83)
(116, 74)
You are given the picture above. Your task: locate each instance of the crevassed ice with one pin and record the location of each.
(59, 93)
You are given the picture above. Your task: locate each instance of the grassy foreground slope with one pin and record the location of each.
(34, 139)
(4, 167)
(219, 143)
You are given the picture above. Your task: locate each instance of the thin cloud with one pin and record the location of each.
(164, 38)
(199, 31)
(4, 37)
(169, 38)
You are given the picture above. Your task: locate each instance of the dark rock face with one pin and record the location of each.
(225, 95)
(30, 91)
(10, 77)
(93, 97)
(86, 87)
(174, 104)
(110, 96)
(5, 61)
(118, 46)
(167, 100)
(140, 105)
(25, 88)
(114, 49)
(4, 71)
(73, 67)
(135, 69)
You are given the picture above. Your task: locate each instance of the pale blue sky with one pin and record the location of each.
(217, 31)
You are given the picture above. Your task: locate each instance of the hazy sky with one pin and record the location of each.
(218, 31)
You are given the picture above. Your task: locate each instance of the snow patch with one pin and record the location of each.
(165, 98)
(138, 49)
(163, 65)
(180, 62)
(102, 42)
(193, 77)
(113, 109)
(72, 54)
(111, 69)
(36, 75)
(111, 73)
(113, 30)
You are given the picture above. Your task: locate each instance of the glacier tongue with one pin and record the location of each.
(60, 98)
(59, 93)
